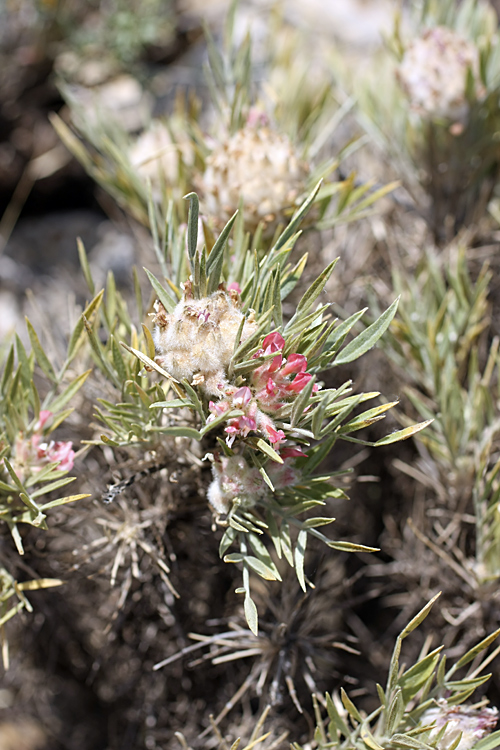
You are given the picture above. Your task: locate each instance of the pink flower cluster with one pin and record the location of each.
(31, 454)
(272, 385)
(252, 419)
(272, 381)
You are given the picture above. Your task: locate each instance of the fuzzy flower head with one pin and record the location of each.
(234, 478)
(259, 166)
(196, 341)
(32, 453)
(433, 73)
(472, 724)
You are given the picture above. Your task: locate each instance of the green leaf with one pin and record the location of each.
(85, 265)
(78, 334)
(366, 418)
(297, 219)
(149, 362)
(15, 478)
(261, 568)
(192, 242)
(214, 263)
(302, 401)
(63, 501)
(251, 614)
(291, 279)
(341, 331)
(69, 392)
(150, 345)
(97, 349)
(300, 551)
(335, 717)
(7, 487)
(40, 355)
(166, 300)
(118, 361)
(350, 707)
(490, 742)
(266, 448)
(419, 617)
(52, 486)
(26, 368)
(312, 294)
(175, 403)
(415, 676)
(274, 532)
(7, 370)
(188, 432)
(263, 555)
(227, 540)
(404, 434)
(312, 523)
(351, 547)
(286, 542)
(368, 738)
(368, 338)
(475, 651)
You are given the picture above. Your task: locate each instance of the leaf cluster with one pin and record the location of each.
(442, 346)
(20, 406)
(409, 692)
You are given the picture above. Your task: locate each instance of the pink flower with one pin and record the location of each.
(257, 118)
(274, 435)
(261, 374)
(219, 408)
(299, 382)
(242, 396)
(295, 363)
(273, 342)
(62, 452)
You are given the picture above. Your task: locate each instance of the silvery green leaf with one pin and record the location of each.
(368, 338)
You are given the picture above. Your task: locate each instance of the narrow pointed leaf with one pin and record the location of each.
(368, 338)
